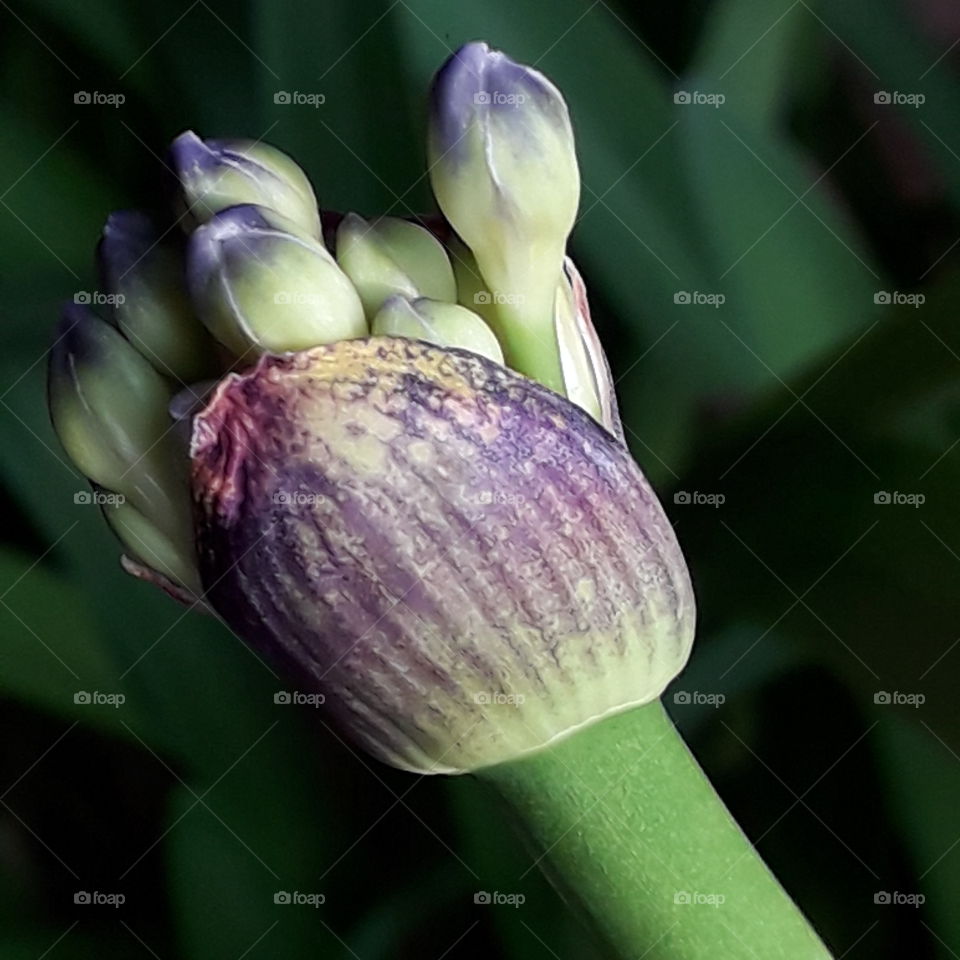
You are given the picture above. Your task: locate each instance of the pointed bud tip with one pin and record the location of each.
(78, 338)
(239, 225)
(130, 225)
(238, 219)
(475, 80)
(190, 154)
(128, 235)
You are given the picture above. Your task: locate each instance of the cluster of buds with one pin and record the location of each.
(387, 451)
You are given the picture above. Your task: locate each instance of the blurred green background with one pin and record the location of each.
(799, 161)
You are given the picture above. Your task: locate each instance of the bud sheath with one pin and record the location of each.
(461, 560)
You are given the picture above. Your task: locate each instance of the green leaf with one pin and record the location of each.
(255, 828)
(53, 655)
(885, 37)
(923, 776)
(796, 277)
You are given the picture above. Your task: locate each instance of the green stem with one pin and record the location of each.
(529, 345)
(628, 826)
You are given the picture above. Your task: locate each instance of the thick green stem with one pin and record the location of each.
(628, 826)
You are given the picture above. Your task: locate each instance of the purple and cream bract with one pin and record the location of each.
(463, 562)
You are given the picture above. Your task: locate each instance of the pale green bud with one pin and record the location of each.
(143, 275)
(389, 256)
(260, 287)
(504, 170)
(217, 174)
(151, 554)
(444, 324)
(109, 409)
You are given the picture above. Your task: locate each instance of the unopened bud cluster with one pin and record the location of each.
(299, 418)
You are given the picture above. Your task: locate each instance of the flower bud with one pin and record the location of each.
(260, 287)
(504, 171)
(389, 256)
(143, 273)
(463, 562)
(445, 324)
(109, 409)
(216, 174)
(153, 556)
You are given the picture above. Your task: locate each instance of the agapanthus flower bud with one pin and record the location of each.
(389, 256)
(152, 554)
(109, 409)
(445, 324)
(463, 562)
(216, 174)
(504, 171)
(259, 286)
(143, 273)
(466, 563)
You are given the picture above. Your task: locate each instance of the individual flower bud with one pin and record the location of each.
(216, 174)
(465, 563)
(109, 409)
(389, 256)
(259, 286)
(445, 324)
(586, 372)
(142, 271)
(152, 555)
(504, 171)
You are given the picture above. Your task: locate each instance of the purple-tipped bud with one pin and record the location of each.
(142, 272)
(109, 409)
(462, 561)
(504, 171)
(259, 286)
(478, 84)
(216, 174)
